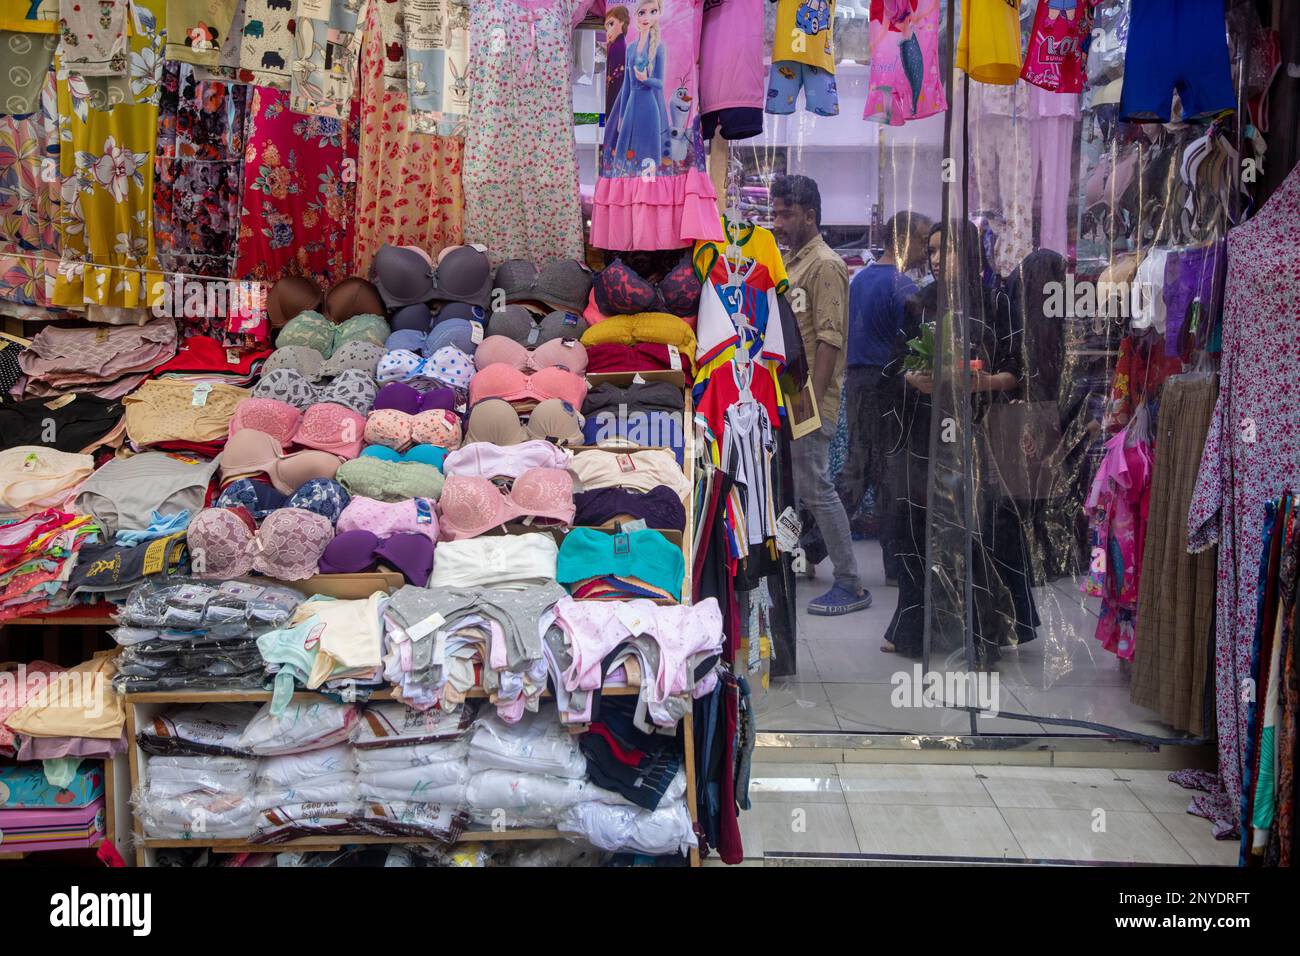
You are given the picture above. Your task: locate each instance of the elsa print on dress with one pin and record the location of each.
(637, 137)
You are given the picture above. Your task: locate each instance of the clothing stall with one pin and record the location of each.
(401, 405)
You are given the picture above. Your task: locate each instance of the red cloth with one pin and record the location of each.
(642, 357)
(202, 353)
(632, 757)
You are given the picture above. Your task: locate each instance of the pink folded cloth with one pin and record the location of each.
(61, 358)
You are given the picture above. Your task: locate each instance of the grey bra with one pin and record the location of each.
(353, 388)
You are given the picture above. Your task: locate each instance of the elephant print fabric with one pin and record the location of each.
(905, 83)
(653, 192)
(266, 44)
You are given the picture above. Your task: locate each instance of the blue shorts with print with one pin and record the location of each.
(820, 94)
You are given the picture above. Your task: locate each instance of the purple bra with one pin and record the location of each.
(659, 507)
(354, 552)
(404, 398)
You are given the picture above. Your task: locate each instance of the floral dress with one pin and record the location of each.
(299, 193)
(521, 168)
(1251, 456)
(29, 200)
(198, 170)
(408, 183)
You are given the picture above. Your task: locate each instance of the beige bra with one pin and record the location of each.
(636, 471)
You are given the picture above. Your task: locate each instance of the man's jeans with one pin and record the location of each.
(868, 462)
(814, 491)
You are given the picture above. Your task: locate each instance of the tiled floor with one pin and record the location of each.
(843, 680)
(976, 814)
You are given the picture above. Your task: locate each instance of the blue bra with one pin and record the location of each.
(647, 554)
(425, 454)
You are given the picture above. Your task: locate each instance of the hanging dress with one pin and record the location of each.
(521, 169)
(653, 191)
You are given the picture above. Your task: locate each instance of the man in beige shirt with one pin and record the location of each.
(819, 297)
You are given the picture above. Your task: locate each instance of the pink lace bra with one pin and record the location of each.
(470, 506)
(505, 381)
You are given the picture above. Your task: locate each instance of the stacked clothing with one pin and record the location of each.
(74, 714)
(56, 807)
(37, 555)
(192, 635)
(34, 478)
(524, 774)
(197, 796)
(203, 359)
(326, 643)
(412, 770)
(674, 649)
(80, 423)
(107, 361)
(440, 644)
(19, 683)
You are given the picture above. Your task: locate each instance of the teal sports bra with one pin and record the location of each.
(646, 554)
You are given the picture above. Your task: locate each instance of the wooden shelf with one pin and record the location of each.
(335, 842)
(262, 696)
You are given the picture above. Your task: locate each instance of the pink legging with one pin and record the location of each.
(1051, 138)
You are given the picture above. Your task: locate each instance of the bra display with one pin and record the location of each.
(647, 555)
(433, 455)
(639, 396)
(333, 428)
(251, 452)
(496, 421)
(659, 507)
(511, 560)
(360, 551)
(411, 400)
(470, 506)
(227, 543)
(507, 382)
(637, 470)
(560, 283)
(400, 431)
(568, 354)
(353, 388)
(278, 419)
(481, 459)
(619, 290)
(516, 322)
(384, 518)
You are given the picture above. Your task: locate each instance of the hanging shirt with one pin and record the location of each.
(876, 297)
(724, 390)
(804, 31)
(754, 242)
(747, 450)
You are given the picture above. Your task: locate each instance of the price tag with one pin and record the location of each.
(788, 529)
(423, 511)
(61, 401)
(425, 627)
(637, 525)
(631, 618)
(637, 379)
(674, 358)
(625, 463)
(475, 332)
(200, 395)
(232, 356)
(622, 544)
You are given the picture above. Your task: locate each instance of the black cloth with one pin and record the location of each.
(868, 404)
(645, 782)
(998, 552)
(71, 427)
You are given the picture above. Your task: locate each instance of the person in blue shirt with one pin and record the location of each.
(876, 297)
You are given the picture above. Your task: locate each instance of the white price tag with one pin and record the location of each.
(476, 332)
(632, 618)
(425, 627)
(674, 358)
(788, 529)
(200, 395)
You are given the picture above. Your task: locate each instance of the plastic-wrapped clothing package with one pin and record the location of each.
(393, 724)
(199, 815)
(171, 776)
(384, 759)
(287, 770)
(610, 827)
(304, 725)
(535, 745)
(213, 729)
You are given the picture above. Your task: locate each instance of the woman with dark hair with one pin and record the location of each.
(999, 616)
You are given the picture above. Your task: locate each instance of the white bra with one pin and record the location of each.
(635, 471)
(506, 561)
